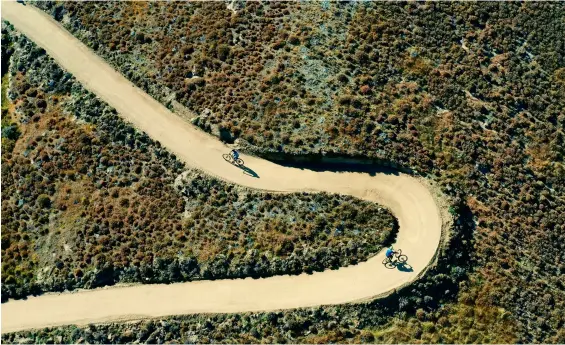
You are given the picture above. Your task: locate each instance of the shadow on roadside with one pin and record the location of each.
(370, 169)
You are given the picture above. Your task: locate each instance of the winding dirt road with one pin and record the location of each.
(410, 200)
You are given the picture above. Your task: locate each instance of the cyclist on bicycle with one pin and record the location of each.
(390, 253)
(234, 154)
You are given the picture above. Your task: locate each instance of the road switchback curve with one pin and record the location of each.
(412, 201)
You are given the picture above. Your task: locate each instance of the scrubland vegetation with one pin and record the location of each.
(469, 94)
(89, 201)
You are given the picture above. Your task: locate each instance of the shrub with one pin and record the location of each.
(43, 201)
(223, 52)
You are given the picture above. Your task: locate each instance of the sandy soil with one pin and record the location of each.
(410, 200)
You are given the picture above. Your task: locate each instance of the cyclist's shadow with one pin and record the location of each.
(248, 171)
(402, 266)
(240, 164)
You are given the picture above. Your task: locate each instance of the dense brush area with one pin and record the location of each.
(89, 201)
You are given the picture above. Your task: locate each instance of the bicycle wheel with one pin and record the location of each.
(402, 258)
(227, 157)
(239, 161)
(388, 264)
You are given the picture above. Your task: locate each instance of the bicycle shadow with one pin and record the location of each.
(404, 267)
(248, 171)
(401, 266)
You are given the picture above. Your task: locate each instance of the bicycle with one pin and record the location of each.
(229, 158)
(400, 258)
